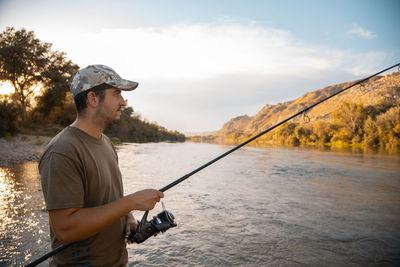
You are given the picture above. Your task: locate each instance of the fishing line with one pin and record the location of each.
(186, 176)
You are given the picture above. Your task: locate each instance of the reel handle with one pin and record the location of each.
(143, 221)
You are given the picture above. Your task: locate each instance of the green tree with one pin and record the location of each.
(57, 77)
(131, 129)
(23, 59)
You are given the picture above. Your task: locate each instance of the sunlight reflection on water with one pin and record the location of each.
(23, 223)
(259, 206)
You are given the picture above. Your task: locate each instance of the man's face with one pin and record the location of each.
(110, 108)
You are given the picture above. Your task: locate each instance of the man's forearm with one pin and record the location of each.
(75, 224)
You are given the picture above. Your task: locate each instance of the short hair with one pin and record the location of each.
(81, 98)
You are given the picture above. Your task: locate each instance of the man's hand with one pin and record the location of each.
(131, 222)
(75, 224)
(146, 199)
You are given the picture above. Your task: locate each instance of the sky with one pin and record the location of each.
(201, 63)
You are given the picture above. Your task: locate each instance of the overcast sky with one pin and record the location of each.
(201, 63)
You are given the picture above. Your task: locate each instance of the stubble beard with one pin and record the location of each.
(105, 117)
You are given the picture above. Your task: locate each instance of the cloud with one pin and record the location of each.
(361, 32)
(196, 77)
(199, 51)
(203, 51)
(205, 105)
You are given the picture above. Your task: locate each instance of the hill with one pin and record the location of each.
(366, 115)
(384, 89)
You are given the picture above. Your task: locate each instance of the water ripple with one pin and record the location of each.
(257, 207)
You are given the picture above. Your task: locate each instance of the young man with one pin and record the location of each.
(81, 179)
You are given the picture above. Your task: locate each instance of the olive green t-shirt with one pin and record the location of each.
(80, 171)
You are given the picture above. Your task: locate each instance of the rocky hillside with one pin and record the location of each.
(377, 90)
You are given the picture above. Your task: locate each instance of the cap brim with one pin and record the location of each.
(123, 84)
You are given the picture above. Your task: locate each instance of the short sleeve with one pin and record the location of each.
(62, 182)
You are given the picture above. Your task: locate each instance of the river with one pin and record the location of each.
(256, 207)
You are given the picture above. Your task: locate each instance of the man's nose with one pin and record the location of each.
(123, 102)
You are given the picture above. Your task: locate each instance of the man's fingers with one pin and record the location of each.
(159, 195)
(146, 199)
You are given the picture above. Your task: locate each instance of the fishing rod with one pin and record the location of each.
(165, 220)
(303, 111)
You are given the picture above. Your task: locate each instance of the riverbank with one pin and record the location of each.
(272, 143)
(22, 147)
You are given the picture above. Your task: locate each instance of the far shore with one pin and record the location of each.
(21, 148)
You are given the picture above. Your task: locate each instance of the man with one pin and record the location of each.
(81, 179)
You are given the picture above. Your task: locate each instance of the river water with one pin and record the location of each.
(256, 207)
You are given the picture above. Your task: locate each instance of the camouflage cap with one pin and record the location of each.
(94, 75)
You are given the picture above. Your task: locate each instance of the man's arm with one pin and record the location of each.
(75, 224)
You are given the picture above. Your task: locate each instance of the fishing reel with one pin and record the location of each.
(160, 223)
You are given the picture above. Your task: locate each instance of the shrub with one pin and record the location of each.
(25, 138)
(8, 118)
(388, 125)
(39, 141)
(371, 136)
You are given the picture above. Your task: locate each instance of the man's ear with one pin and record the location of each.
(92, 99)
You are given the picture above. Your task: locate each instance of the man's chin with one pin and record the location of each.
(116, 119)
(113, 121)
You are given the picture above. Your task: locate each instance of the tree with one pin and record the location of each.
(56, 80)
(388, 125)
(371, 135)
(351, 116)
(23, 60)
(322, 131)
(131, 129)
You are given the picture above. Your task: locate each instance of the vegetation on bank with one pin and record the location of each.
(353, 124)
(41, 103)
(130, 128)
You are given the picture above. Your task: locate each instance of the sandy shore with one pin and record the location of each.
(22, 148)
